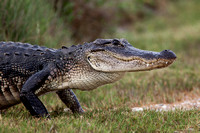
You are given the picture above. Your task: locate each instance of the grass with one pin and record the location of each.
(108, 108)
(31, 21)
(109, 120)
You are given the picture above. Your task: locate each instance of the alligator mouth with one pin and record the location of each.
(155, 62)
(111, 62)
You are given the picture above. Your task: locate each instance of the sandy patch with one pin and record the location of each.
(184, 105)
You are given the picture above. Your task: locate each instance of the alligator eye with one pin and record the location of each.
(64, 47)
(116, 42)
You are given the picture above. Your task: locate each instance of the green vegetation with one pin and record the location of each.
(108, 108)
(106, 120)
(31, 21)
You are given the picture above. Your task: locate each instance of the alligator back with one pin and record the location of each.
(18, 61)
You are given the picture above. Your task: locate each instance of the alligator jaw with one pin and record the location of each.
(109, 63)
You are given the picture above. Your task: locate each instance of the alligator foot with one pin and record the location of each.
(70, 100)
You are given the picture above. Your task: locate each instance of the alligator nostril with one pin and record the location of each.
(168, 54)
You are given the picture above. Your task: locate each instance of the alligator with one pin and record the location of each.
(28, 71)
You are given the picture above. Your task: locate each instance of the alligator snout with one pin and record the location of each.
(167, 54)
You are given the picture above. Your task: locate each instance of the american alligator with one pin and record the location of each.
(28, 71)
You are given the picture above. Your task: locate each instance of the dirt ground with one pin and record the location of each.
(188, 103)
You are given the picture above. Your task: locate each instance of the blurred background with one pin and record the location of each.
(147, 24)
(52, 22)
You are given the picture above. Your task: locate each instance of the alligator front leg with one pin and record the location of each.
(29, 99)
(69, 98)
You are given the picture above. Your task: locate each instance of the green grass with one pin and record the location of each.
(106, 120)
(31, 21)
(108, 108)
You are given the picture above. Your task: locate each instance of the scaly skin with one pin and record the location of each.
(28, 71)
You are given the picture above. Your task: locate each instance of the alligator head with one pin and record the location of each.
(106, 60)
(117, 55)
